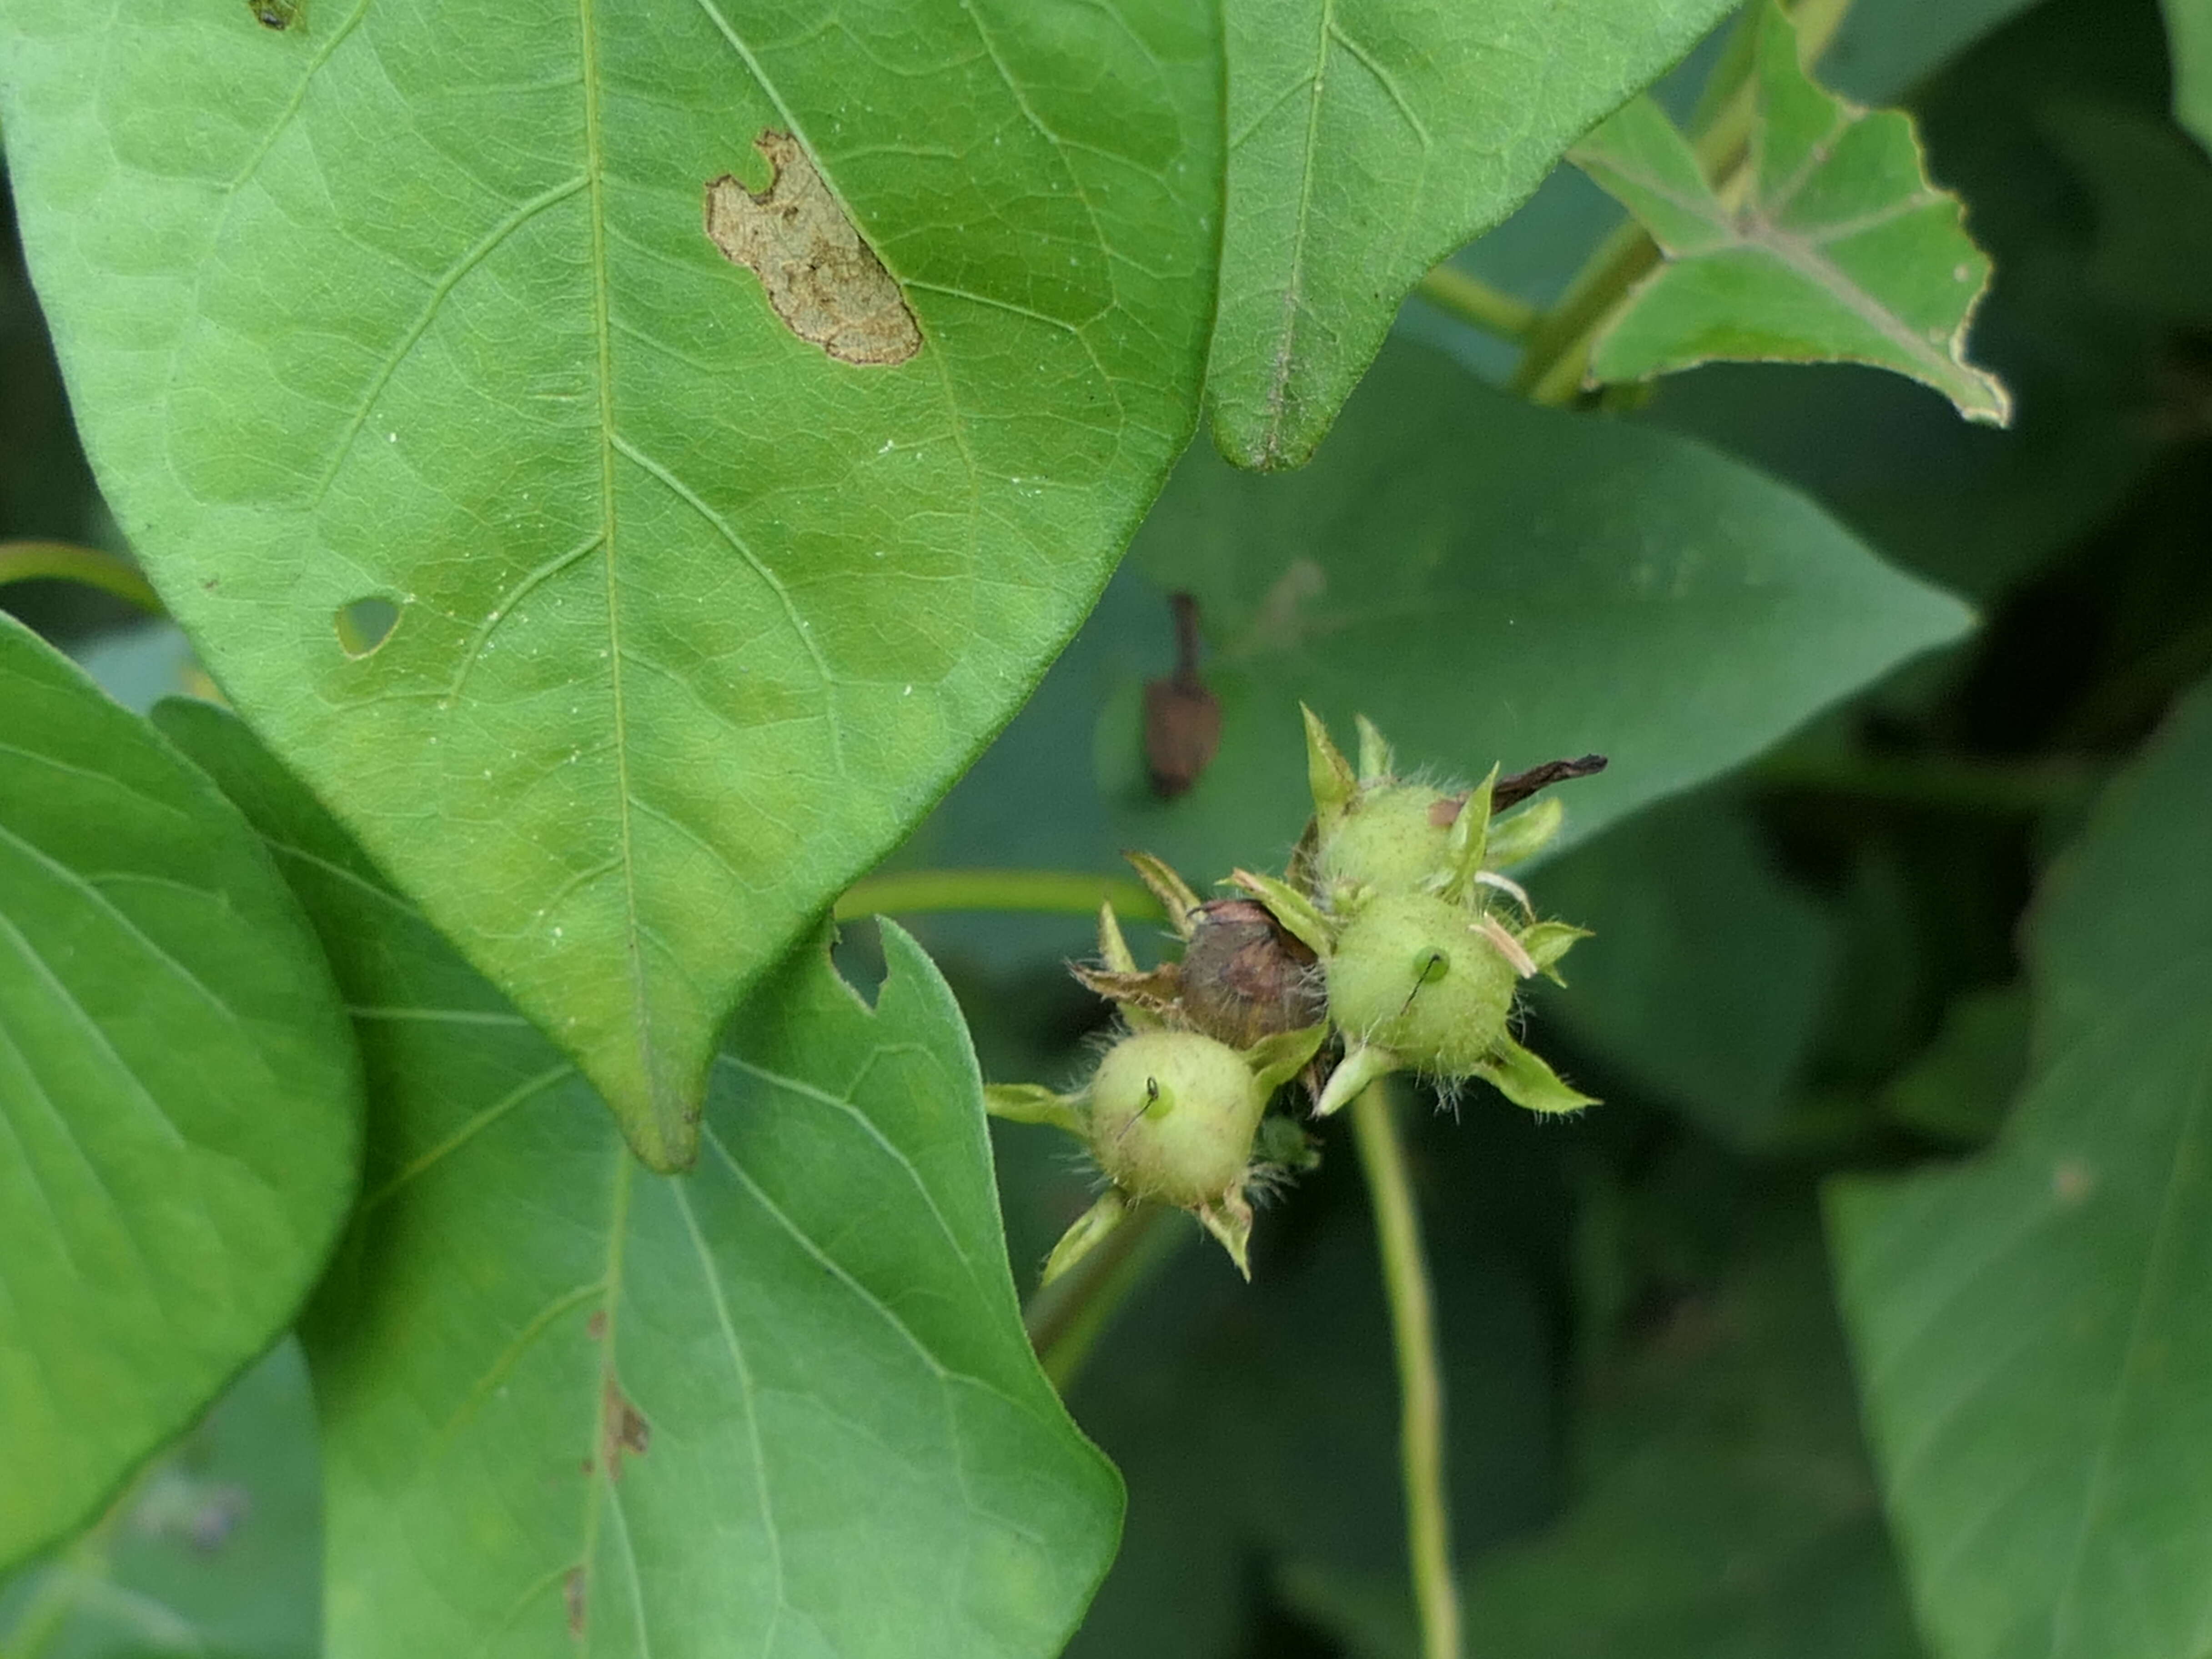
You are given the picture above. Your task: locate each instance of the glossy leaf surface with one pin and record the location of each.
(689, 618)
(179, 1097)
(1835, 246)
(2034, 1327)
(783, 1402)
(1368, 139)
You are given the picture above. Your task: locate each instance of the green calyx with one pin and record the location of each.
(1392, 943)
(1421, 976)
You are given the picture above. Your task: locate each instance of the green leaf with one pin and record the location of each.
(1705, 981)
(1491, 583)
(1726, 1510)
(1835, 248)
(179, 1097)
(2189, 36)
(1368, 139)
(693, 620)
(784, 1398)
(2032, 1326)
(216, 1551)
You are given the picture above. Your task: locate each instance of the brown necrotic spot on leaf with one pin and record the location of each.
(824, 280)
(572, 1595)
(622, 1429)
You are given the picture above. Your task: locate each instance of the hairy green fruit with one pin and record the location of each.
(1172, 1115)
(1416, 975)
(1393, 838)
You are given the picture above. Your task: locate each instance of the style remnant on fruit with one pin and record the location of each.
(1423, 940)
(1393, 942)
(1172, 1114)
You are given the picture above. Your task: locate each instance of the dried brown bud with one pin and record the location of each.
(1182, 721)
(1245, 978)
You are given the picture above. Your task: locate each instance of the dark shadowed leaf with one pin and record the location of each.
(1726, 1509)
(179, 1097)
(1837, 249)
(693, 607)
(215, 1551)
(1708, 984)
(1493, 582)
(785, 1399)
(2034, 1327)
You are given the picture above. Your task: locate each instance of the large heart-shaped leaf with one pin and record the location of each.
(1838, 248)
(1368, 139)
(2034, 1328)
(407, 311)
(781, 1403)
(1490, 581)
(179, 1097)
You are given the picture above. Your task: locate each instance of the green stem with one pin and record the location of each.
(1048, 892)
(1475, 303)
(1420, 1380)
(1552, 369)
(1065, 1320)
(21, 561)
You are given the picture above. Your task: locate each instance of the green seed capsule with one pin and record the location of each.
(1172, 1115)
(1393, 838)
(1414, 974)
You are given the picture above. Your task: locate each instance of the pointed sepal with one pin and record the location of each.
(1147, 1001)
(1378, 763)
(1113, 948)
(1032, 1103)
(1084, 1237)
(1545, 941)
(1527, 1081)
(1229, 1218)
(1468, 844)
(1171, 890)
(1527, 832)
(1328, 773)
(1276, 1060)
(1361, 1065)
(1300, 919)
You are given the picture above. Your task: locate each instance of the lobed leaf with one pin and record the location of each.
(1368, 139)
(782, 1401)
(179, 1097)
(2033, 1326)
(626, 609)
(1835, 247)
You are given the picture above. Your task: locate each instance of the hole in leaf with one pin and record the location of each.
(365, 623)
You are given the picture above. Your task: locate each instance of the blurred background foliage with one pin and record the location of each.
(1809, 967)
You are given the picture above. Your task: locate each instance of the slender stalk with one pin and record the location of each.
(1065, 1320)
(1420, 1381)
(1475, 303)
(1047, 892)
(22, 562)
